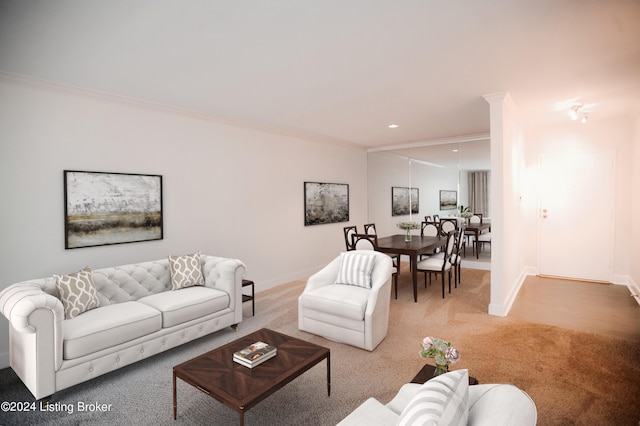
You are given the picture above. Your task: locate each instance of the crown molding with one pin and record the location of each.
(440, 141)
(143, 103)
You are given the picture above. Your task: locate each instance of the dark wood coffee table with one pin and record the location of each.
(240, 388)
(426, 373)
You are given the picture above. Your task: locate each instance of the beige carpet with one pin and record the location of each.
(574, 378)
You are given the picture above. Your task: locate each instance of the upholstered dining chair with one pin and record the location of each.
(370, 228)
(484, 239)
(456, 257)
(348, 300)
(435, 265)
(349, 231)
(473, 220)
(430, 229)
(448, 225)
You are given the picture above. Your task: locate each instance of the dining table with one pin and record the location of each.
(476, 229)
(396, 244)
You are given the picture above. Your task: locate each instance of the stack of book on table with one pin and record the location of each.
(254, 354)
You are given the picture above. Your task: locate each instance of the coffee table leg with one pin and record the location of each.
(175, 403)
(329, 374)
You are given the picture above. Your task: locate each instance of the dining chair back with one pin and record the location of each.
(365, 241)
(436, 218)
(456, 256)
(370, 228)
(448, 225)
(430, 229)
(349, 231)
(476, 218)
(428, 218)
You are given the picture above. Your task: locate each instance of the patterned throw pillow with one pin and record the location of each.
(355, 268)
(77, 292)
(185, 271)
(443, 400)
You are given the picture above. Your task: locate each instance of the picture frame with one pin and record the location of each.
(325, 203)
(103, 208)
(404, 201)
(448, 200)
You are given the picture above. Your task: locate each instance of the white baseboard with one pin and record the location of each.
(502, 310)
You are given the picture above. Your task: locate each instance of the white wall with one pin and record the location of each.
(228, 190)
(634, 280)
(508, 267)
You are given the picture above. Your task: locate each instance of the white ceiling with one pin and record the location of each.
(337, 70)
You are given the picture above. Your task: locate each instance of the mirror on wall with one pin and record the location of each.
(430, 169)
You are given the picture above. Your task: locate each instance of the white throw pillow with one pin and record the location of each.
(443, 400)
(77, 292)
(355, 268)
(185, 271)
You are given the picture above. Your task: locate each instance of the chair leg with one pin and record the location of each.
(443, 285)
(395, 283)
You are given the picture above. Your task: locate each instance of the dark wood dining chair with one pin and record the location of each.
(349, 231)
(370, 228)
(439, 264)
(448, 225)
(456, 257)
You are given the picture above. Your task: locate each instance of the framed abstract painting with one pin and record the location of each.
(111, 208)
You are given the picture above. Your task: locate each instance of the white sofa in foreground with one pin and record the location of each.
(139, 313)
(449, 400)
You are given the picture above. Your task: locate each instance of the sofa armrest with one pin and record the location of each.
(500, 404)
(226, 275)
(19, 301)
(35, 331)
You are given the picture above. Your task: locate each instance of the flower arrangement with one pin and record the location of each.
(408, 225)
(464, 212)
(441, 351)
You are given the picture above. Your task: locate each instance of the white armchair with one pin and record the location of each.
(351, 314)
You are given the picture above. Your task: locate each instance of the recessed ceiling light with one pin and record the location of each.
(393, 126)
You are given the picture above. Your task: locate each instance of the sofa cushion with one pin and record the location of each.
(186, 304)
(186, 271)
(108, 326)
(442, 400)
(355, 268)
(77, 292)
(341, 300)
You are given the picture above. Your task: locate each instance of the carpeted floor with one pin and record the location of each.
(575, 378)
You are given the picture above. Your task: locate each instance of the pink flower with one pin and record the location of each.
(452, 355)
(427, 343)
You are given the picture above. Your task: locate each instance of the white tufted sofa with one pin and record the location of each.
(139, 316)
